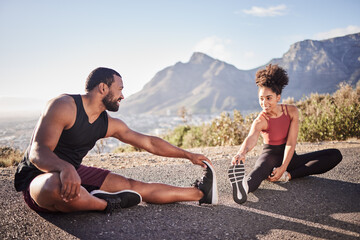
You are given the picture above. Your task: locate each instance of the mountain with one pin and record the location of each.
(207, 85)
(319, 66)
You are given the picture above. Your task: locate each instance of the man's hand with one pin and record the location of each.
(198, 159)
(70, 184)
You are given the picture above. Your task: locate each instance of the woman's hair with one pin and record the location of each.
(100, 75)
(273, 77)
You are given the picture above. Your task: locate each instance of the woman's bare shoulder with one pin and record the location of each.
(292, 110)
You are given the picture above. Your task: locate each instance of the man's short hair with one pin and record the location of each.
(100, 75)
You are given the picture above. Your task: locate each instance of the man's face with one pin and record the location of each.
(112, 99)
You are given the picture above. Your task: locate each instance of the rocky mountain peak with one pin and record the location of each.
(208, 85)
(200, 58)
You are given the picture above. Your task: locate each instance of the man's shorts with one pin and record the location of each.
(91, 179)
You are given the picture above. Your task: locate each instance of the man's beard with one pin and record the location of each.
(109, 103)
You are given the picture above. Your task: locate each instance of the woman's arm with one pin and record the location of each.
(290, 143)
(251, 140)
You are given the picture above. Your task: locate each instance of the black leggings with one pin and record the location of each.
(300, 165)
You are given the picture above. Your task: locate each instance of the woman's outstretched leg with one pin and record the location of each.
(314, 163)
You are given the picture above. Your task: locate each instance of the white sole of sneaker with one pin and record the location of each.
(114, 193)
(236, 176)
(214, 192)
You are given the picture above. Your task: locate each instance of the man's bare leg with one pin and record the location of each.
(151, 192)
(45, 190)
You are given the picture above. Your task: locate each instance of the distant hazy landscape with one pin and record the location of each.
(16, 132)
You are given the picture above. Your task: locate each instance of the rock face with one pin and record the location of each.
(319, 66)
(207, 85)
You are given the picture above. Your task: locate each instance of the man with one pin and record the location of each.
(52, 178)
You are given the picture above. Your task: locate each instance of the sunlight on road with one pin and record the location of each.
(353, 218)
(301, 221)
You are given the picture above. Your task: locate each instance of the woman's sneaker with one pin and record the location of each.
(208, 185)
(118, 200)
(284, 178)
(238, 182)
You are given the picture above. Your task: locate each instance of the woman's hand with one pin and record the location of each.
(276, 174)
(237, 158)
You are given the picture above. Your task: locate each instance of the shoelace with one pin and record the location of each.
(198, 182)
(114, 204)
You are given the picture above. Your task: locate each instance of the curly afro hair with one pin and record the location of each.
(273, 77)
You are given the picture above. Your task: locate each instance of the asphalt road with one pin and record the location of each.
(325, 206)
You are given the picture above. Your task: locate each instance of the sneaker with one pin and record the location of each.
(284, 178)
(118, 200)
(238, 182)
(208, 185)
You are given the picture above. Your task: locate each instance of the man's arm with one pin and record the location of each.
(60, 114)
(118, 129)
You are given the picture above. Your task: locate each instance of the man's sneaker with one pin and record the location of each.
(238, 182)
(208, 185)
(118, 200)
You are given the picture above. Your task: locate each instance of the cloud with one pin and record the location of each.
(215, 47)
(337, 32)
(267, 12)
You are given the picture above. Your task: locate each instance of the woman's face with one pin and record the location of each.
(268, 100)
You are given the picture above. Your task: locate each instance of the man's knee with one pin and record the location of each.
(45, 188)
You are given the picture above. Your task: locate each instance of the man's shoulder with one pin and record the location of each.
(116, 126)
(64, 98)
(114, 120)
(61, 101)
(62, 104)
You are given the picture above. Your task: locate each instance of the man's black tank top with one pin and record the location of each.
(73, 145)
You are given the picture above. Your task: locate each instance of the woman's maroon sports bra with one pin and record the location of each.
(278, 128)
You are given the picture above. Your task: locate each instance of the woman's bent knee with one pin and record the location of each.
(336, 156)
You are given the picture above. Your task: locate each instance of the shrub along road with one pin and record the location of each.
(323, 206)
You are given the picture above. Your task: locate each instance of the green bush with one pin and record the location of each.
(177, 135)
(127, 148)
(326, 117)
(224, 130)
(9, 156)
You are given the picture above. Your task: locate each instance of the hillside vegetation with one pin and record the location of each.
(9, 156)
(323, 117)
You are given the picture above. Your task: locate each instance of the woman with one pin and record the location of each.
(279, 126)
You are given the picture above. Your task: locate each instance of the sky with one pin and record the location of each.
(49, 47)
